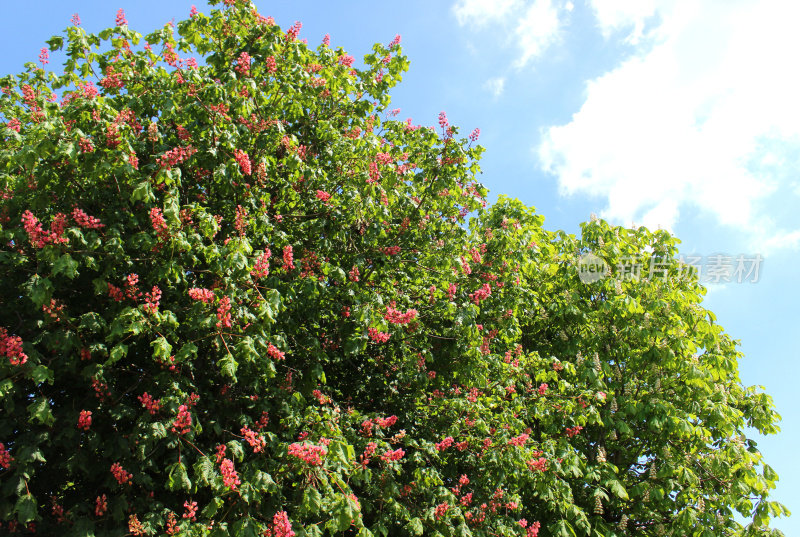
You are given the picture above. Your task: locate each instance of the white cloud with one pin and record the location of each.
(781, 241)
(495, 86)
(537, 30)
(680, 125)
(481, 12)
(617, 15)
(531, 26)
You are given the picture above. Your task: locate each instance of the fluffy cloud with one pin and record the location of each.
(695, 118)
(537, 30)
(481, 12)
(536, 25)
(495, 86)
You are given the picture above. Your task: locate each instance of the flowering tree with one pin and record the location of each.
(242, 299)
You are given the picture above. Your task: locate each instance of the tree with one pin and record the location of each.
(243, 299)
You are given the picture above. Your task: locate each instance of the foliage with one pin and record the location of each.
(241, 298)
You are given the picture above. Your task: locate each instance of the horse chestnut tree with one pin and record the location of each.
(241, 298)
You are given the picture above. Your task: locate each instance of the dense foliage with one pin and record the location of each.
(240, 298)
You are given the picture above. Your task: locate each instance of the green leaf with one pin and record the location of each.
(228, 367)
(39, 410)
(65, 265)
(178, 478)
(25, 508)
(414, 526)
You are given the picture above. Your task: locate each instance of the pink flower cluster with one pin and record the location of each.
(394, 316)
(243, 64)
(291, 33)
(309, 453)
(152, 300)
(152, 405)
(275, 353)
(481, 294)
(444, 444)
(244, 162)
(532, 530)
(183, 421)
(385, 422)
(11, 346)
(38, 236)
(542, 388)
(85, 420)
(191, 510)
(288, 257)
(230, 477)
(201, 294)
(256, 441)
(377, 336)
(101, 505)
(281, 527)
(391, 250)
(322, 195)
(395, 455)
(224, 313)
(519, 440)
(539, 464)
(159, 223)
(573, 431)
(261, 266)
(85, 221)
(176, 156)
(5, 457)
(346, 60)
(441, 510)
(271, 64)
(121, 20)
(120, 474)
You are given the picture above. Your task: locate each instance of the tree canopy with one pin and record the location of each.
(242, 298)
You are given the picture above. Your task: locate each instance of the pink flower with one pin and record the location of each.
(121, 20)
(395, 317)
(5, 457)
(85, 420)
(474, 136)
(275, 353)
(261, 266)
(204, 295)
(11, 346)
(230, 478)
(519, 440)
(288, 257)
(377, 336)
(395, 455)
(543, 388)
(192, 13)
(281, 527)
(256, 441)
(152, 300)
(223, 313)
(183, 422)
(444, 444)
(152, 405)
(191, 508)
(322, 195)
(309, 453)
(120, 474)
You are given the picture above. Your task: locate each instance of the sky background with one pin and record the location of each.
(675, 114)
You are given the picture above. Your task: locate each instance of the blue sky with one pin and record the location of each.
(681, 115)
